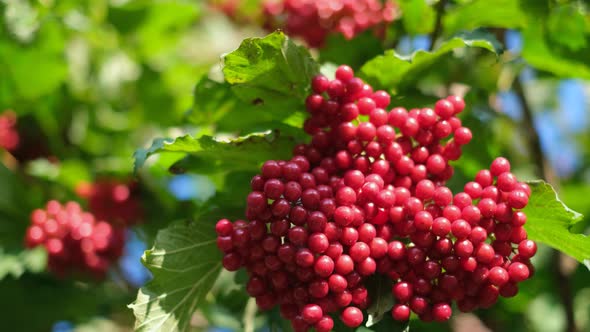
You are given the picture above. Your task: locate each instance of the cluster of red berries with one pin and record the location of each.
(314, 20)
(369, 197)
(112, 200)
(76, 242)
(9, 137)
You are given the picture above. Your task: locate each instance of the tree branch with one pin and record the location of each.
(544, 171)
(436, 32)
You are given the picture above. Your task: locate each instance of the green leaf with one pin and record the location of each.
(216, 104)
(269, 69)
(185, 263)
(354, 52)
(393, 70)
(214, 154)
(567, 26)
(510, 14)
(266, 83)
(540, 53)
(549, 221)
(417, 16)
(212, 100)
(53, 300)
(381, 298)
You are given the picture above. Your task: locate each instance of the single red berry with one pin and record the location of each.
(344, 265)
(517, 199)
(224, 227)
(518, 272)
(320, 84)
(325, 324)
(352, 317)
(400, 312)
(527, 248)
(312, 313)
(441, 312)
(499, 165)
(402, 291)
(344, 73)
(498, 276)
(463, 135)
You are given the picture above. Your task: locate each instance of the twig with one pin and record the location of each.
(249, 316)
(531, 133)
(544, 171)
(440, 10)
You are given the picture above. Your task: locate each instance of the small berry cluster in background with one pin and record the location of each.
(369, 197)
(9, 138)
(76, 241)
(115, 201)
(314, 20)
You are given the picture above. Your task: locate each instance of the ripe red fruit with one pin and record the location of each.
(518, 272)
(352, 317)
(527, 249)
(77, 242)
(367, 197)
(312, 313)
(400, 312)
(498, 276)
(402, 291)
(441, 312)
(499, 165)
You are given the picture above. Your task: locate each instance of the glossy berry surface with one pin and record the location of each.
(362, 199)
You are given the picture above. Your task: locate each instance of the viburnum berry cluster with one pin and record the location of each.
(9, 138)
(314, 20)
(367, 196)
(76, 242)
(113, 200)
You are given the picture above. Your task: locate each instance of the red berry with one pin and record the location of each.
(400, 312)
(402, 291)
(527, 248)
(352, 317)
(518, 272)
(441, 312)
(312, 313)
(499, 165)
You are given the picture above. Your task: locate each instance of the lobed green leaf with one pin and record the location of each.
(394, 71)
(266, 81)
(269, 68)
(185, 263)
(549, 221)
(213, 154)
